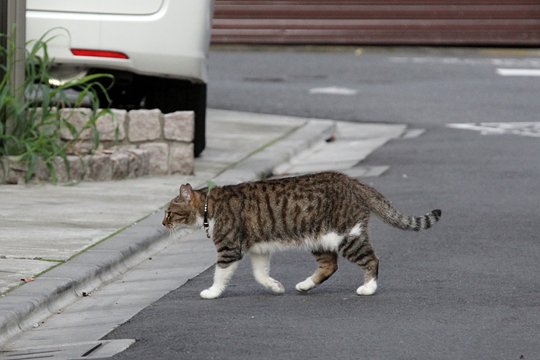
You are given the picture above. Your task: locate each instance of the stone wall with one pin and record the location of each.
(132, 144)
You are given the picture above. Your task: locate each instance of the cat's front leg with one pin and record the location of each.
(222, 276)
(261, 270)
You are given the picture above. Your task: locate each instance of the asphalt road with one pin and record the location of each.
(467, 289)
(412, 86)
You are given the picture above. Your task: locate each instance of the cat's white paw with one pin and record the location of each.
(305, 285)
(368, 288)
(276, 286)
(211, 293)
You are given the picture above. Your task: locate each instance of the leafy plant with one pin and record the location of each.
(31, 117)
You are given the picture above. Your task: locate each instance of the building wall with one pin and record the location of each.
(378, 22)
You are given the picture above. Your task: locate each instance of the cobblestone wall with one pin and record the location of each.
(132, 144)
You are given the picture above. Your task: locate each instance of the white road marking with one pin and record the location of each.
(518, 72)
(528, 62)
(413, 133)
(333, 90)
(531, 129)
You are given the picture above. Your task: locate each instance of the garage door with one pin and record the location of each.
(383, 22)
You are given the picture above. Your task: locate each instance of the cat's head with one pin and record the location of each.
(183, 210)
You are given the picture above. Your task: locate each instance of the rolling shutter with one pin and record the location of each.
(383, 22)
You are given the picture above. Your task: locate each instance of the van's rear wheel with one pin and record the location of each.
(171, 95)
(129, 91)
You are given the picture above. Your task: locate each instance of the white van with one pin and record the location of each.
(155, 49)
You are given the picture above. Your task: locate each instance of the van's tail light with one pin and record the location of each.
(99, 53)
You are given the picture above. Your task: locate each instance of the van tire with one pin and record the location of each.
(170, 95)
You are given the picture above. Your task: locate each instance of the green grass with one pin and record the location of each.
(30, 129)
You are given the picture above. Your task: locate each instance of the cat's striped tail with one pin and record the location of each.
(392, 216)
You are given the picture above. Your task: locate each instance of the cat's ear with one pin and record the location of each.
(186, 192)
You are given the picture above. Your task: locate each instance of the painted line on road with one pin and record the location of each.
(518, 72)
(531, 129)
(530, 62)
(333, 90)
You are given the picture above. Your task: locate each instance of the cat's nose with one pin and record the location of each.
(165, 222)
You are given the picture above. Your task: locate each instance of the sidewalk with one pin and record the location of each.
(68, 240)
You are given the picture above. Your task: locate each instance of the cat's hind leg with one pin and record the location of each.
(261, 270)
(327, 266)
(358, 250)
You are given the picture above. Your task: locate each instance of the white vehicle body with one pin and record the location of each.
(164, 38)
(156, 43)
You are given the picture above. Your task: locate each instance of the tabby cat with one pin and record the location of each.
(326, 213)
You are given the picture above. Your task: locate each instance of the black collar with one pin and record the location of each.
(206, 225)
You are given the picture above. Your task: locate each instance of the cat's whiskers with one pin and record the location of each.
(173, 233)
(177, 231)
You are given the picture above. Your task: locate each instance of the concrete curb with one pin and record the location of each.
(30, 304)
(262, 163)
(35, 301)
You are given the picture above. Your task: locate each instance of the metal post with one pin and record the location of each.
(13, 24)
(13, 30)
(3, 34)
